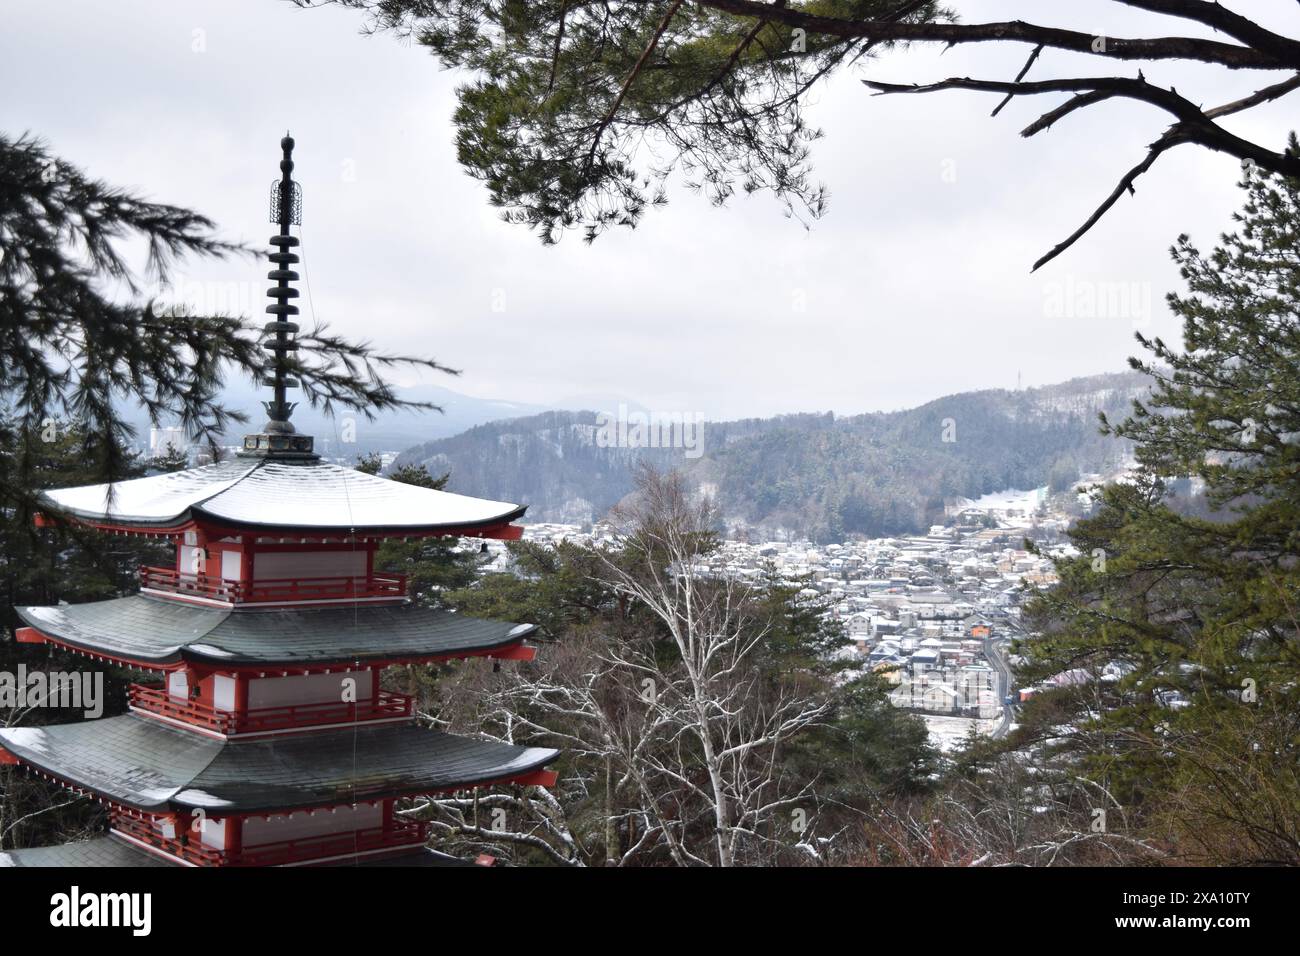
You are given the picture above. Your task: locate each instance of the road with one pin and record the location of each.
(994, 656)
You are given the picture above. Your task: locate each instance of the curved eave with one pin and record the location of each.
(277, 497)
(533, 774)
(84, 783)
(169, 528)
(142, 764)
(99, 851)
(165, 662)
(39, 631)
(497, 526)
(511, 647)
(505, 648)
(117, 851)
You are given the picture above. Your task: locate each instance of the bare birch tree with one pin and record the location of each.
(672, 732)
(711, 700)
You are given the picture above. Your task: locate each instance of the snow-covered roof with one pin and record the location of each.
(263, 493)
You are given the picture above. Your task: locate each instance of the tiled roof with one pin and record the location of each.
(156, 630)
(268, 494)
(112, 851)
(101, 851)
(149, 765)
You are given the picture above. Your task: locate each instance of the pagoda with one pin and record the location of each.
(266, 737)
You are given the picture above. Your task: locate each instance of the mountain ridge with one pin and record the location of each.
(809, 474)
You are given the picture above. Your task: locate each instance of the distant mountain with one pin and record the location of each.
(551, 461)
(814, 475)
(391, 431)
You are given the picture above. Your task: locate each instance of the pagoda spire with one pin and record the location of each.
(278, 437)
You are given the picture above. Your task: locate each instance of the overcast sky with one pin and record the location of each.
(915, 285)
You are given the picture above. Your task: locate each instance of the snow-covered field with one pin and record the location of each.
(947, 733)
(1011, 499)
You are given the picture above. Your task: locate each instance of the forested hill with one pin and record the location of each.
(815, 475)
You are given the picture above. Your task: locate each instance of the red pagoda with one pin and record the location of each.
(269, 740)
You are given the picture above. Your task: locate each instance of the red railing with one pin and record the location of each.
(277, 590)
(155, 700)
(316, 589)
(169, 579)
(302, 850)
(147, 831)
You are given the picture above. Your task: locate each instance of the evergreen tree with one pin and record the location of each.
(433, 566)
(172, 459)
(1063, 475)
(47, 565)
(57, 562)
(72, 346)
(1179, 632)
(564, 97)
(552, 586)
(800, 636)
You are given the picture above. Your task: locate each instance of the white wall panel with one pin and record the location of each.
(270, 565)
(296, 826)
(305, 689)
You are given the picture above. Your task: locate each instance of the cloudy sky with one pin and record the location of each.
(915, 285)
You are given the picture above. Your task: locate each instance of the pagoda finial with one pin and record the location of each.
(278, 437)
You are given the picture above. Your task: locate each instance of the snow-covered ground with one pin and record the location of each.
(1013, 499)
(947, 733)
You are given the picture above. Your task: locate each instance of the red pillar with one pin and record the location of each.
(241, 694)
(201, 546)
(234, 836)
(249, 542)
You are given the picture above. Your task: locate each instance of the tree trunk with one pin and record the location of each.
(611, 832)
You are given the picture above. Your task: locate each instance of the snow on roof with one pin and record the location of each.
(277, 494)
(154, 499)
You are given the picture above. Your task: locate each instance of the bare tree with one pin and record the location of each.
(1018, 810)
(712, 697)
(672, 733)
